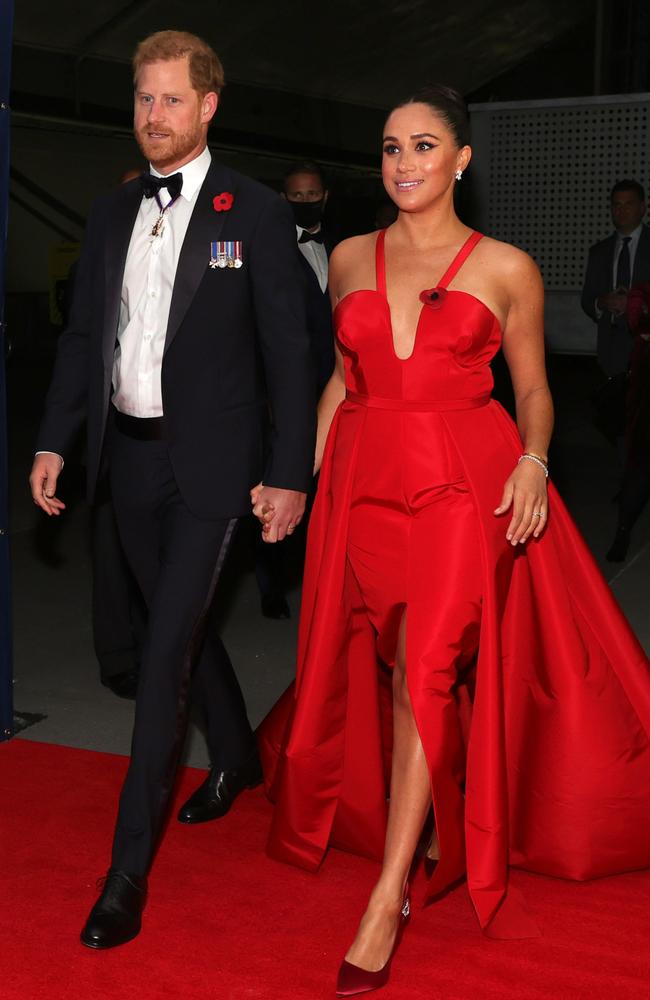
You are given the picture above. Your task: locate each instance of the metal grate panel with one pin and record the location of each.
(550, 173)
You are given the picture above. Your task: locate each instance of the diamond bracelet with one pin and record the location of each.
(536, 459)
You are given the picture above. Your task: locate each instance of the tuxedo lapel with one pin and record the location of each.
(118, 237)
(204, 228)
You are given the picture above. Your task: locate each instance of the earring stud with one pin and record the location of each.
(459, 174)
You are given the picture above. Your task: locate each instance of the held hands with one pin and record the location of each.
(45, 472)
(278, 511)
(525, 492)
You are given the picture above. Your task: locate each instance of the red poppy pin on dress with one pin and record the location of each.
(433, 297)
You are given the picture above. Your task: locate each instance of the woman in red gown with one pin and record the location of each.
(458, 647)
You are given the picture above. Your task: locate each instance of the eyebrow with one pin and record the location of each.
(416, 135)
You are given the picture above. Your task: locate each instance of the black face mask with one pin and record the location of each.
(308, 214)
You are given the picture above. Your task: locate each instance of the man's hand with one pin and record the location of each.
(42, 481)
(614, 302)
(279, 511)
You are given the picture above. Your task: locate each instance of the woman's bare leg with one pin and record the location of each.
(410, 801)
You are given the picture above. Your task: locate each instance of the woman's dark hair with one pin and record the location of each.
(449, 104)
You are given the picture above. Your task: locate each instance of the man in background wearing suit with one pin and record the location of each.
(306, 191)
(187, 327)
(614, 265)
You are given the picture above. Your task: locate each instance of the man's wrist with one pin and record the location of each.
(60, 457)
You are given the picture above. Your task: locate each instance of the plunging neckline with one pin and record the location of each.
(450, 273)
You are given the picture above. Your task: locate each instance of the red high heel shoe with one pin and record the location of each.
(352, 979)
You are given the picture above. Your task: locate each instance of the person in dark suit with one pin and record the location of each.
(305, 188)
(614, 264)
(187, 326)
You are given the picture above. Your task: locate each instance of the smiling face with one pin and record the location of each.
(420, 157)
(170, 119)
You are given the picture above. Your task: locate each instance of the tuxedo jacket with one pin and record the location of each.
(614, 339)
(236, 348)
(319, 319)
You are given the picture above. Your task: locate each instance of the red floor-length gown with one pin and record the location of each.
(530, 693)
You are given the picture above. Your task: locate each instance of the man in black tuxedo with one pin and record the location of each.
(615, 264)
(305, 189)
(187, 325)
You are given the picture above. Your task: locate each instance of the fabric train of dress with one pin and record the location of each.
(529, 690)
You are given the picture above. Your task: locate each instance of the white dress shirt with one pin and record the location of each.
(316, 256)
(149, 275)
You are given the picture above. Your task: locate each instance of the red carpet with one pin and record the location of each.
(226, 923)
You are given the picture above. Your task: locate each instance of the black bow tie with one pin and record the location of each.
(151, 185)
(306, 237)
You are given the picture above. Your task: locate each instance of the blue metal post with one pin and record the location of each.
(6, 673)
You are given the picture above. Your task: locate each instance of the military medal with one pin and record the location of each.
(158, 226)
(226, 253)
(151, 187)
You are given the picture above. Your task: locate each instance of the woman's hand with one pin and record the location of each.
(266, 513)
(525, 492)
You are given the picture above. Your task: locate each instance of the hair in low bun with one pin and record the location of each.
(446, 102)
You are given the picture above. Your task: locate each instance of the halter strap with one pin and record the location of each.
(380, 263)
(459, 259)
(449, 275)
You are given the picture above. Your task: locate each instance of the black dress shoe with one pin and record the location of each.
(124, 685)
(116, 917)
(215, 796)
(620, 545)
(275, 607)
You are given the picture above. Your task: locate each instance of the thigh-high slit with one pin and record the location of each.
(413, 550)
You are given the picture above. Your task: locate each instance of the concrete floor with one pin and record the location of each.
(55, 669)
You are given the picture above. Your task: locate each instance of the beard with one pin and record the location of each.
(174, 147)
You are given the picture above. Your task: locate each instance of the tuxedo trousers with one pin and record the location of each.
(118, 612)
(176, 559)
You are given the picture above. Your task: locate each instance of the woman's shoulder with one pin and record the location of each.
(507, 260)
(351, 261)
(349, 249)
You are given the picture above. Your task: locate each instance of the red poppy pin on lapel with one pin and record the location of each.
(223, 202)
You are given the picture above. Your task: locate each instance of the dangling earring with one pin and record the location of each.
(459, 174)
